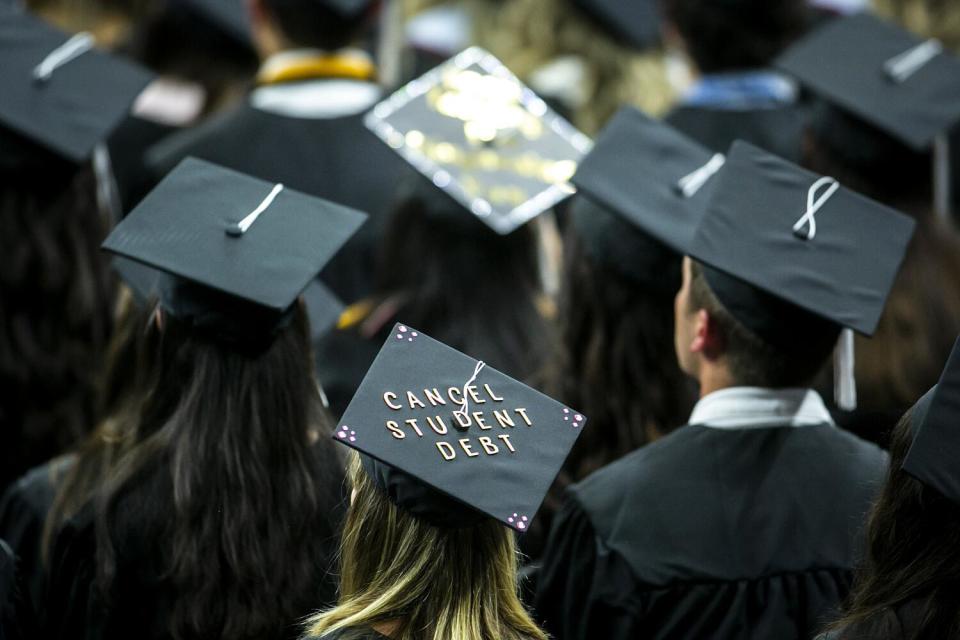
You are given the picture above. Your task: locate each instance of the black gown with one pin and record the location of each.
(710, 533)
(352, 634)
(335, 158)
(777, 130)
(23, 515)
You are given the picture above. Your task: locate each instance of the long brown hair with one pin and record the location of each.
(435, 584)
(912, 558)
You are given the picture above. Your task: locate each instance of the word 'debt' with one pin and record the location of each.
(442, 420)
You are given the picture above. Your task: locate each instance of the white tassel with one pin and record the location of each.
(844, 379)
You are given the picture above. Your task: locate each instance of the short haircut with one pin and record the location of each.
(752, 361)
(728, 35)
(310, 23)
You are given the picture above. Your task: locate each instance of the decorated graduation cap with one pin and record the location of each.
(637, 22)
(903, 85)
(453, 441)
(477, 132)
(653, 178)
(235, 251)
(60, 95)
(795, 256)
(934, 456)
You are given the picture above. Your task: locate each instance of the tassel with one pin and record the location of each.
(844, 380)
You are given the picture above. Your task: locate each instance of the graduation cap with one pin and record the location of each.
(903, 85)
(323, 306)
(933, 457)
(652, 176)
(474, 129)
(60, 95)
(240, 250)
(795, 256)
(635, 21)
(229, 15)
(453, 441)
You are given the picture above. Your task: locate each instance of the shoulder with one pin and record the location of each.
(162, 156)
(33, 494)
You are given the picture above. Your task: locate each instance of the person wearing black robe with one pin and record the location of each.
(741, 524)
(303, 124)
(736, 96)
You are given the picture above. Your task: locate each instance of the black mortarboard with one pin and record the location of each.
(229, 15)
(635, 21)
(146, 284)
(792, 254)
(59, 94)
(474, 129)
(241, 250)
(651, 175)
(894, 80)
(934, 456)
(496, 457)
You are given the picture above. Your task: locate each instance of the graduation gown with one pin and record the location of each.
(711, 533)
(777, 130)
(336, 158)
(352, 634)
(23, 515)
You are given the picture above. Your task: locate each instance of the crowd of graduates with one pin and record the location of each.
(479, 319)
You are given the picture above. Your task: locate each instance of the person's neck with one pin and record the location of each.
(714, 377)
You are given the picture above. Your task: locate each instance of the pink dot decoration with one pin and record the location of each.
(399, 337)
(414, 334)
(524, 518)
(521, 525)
(510, 519)
(578, 418)
(403, 329)
(565, 410)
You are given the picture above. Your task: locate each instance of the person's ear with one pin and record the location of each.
(708, 340)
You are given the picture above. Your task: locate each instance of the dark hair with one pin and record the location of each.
(221, 478)
(732, 35)
(463, 284)
(56, 307)
(308, 23)
(912, 558)
(616, 362)
(752, 361)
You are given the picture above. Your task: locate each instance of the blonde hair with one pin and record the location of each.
(436, 584)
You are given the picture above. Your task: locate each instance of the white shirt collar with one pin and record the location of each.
(320, 98)
(757, 407)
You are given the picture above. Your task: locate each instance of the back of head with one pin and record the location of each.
(753, 361)
(433, 583)
(736, 35)
(246, 432)
(464, 284)
(56, 295)
(313, 24)
(912, 561)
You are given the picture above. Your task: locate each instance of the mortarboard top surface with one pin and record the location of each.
(847, 62)
(934, 456)
(635, 169)
(514, 442)
(181, 228)
(81, 101)
(635, 21)
(842, 274)
(474, 129)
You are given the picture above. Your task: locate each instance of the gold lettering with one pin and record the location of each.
(503, 418)
(488, 445)
(395, 430)
(472, 390)
(453, 391)
(506, 441)
(386, 398)
(492, 395)
(413, 423)
(414, 401)
(478, 417)
(460, 417)
(434, 397)
(446, 450)
(465, 445)
(523, 414)
(436, 428)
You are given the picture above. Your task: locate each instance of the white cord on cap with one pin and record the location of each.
(900, 67)
(844, 380)
(241, 227)
(813, 205)
(694, 181)
(72, 48)
(465, 404)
